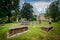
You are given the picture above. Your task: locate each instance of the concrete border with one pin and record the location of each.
(16, 34)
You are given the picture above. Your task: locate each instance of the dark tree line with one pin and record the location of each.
(7, 6)
(53, 11)
(10, 8)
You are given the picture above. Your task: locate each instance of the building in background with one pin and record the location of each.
(41, 17)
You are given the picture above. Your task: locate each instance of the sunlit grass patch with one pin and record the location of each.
(34, 33)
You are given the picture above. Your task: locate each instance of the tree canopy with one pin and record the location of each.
(6, 7)
(27, 11)
(53, 10)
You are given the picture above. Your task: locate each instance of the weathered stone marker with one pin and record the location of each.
(13, 31)
(25, 23)
(46, 28)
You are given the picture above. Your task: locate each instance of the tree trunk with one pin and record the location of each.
(9, 19)
(17, 19)
(54, 19)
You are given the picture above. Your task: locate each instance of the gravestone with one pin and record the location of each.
(25, 23)
(13, 31)
(1, 24)
(46, 28)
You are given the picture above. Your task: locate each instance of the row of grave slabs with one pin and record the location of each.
(14, 31)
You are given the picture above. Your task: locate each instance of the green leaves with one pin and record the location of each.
(6, 7)
(53, 10)
(27, 11)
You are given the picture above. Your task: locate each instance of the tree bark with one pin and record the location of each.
(54, 19)
(17, 19)
(9, 19)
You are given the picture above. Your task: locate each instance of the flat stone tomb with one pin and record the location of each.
(46, 28)
(13, 31)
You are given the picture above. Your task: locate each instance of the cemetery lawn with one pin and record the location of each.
(34, 33)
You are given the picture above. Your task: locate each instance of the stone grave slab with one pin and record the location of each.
(13, 31)
(46, 28)
(25, 23)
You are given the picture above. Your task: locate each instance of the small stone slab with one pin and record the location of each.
(25, 23)
(1, 24)
(16, 30)
(46, 28)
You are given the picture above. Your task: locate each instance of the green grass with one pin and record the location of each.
(34, 33)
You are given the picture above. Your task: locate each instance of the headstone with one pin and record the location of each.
(46, 28)
(49, 21)
(25, 23)
(1, 24)
(39, 21)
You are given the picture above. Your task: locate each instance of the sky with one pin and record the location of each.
(39, 6)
